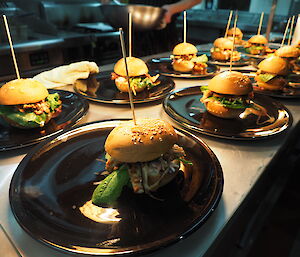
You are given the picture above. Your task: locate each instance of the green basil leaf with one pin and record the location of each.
(110, 188)
(200, 59)
(53, 100)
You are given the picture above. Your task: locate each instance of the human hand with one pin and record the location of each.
(169, 13)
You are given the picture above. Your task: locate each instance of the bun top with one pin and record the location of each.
(184, 48)
(238, 32)
(145, 141)
(22, 91)
(230, 83)
(274, 65)
(288, 51)
(258, 39)
(224, 43)
(136, 67)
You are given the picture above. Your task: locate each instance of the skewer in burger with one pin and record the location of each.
(238, 35)
(272, 73)
(138, 72)
(291, 54)
(185, 59)
(257, 45)
(229, 95)
(26, 103)
(222, 50)
(144, 155)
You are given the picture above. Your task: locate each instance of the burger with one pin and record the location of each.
(291, 54)
(146, 153)
(185, 59)
(228, 95)
(257, 45)
(271, 73)
(139, 77)
(26, 103)
(222, 50)
(238, 35)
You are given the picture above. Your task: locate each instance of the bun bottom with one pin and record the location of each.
(183, 66)
(273, 84)
(225, 56)
(221, 111)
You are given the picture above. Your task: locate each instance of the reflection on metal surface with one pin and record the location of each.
(99, 214)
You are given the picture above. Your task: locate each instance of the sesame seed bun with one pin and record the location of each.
(231, 83)
(258, 39)
(184, 49)
(288, 51)
(274, 65)
(22, 91)
(145, 141)
(223, 43)
(136, 67)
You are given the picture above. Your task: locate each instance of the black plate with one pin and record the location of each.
(185, 108)
(244, 61)
(164, 67)
(73, 109)
(102, 89)
(57, 178)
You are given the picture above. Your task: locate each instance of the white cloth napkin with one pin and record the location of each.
(67, 74)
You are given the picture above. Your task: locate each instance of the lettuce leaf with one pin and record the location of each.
(265, 77)
(141, 82)
(237, 103)
(53, 100)
(254, 47)
(203, 88)
(200, 59)
(29, 120)
(110, 188)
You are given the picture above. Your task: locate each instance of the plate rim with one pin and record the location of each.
(188, 76)
(219, 181)
(195, 129)
(82, 114)
(123, 102)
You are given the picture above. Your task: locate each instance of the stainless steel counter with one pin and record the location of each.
(243, 164)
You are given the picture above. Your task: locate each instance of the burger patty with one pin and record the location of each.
(38, 108)
(141, 172)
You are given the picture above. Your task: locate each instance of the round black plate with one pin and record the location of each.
(185, 108)
(164, 67)
(74, 108)
(57, 178)
(102, 89)
(244, 61)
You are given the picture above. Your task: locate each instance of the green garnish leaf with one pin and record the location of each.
(236, 103)
(266, 77)
(141, 82)
(200, 59)
(203, 88)
(185, 161)
(53, 100)
(110, 188)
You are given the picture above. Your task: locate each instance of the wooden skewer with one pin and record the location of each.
(127, 74)
(184, 26)
(11, 46)
(291, 30)
(233, 42)
(296, 21)
(130, 33)
(228, 23)
(260, 23)
(284, 35)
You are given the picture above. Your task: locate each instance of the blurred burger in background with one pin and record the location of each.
(138, 72)
(257, 45)
(238, 35)
(222, 50)
(291, 55)
(26, 103)
(271, 73)
(185, 59)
